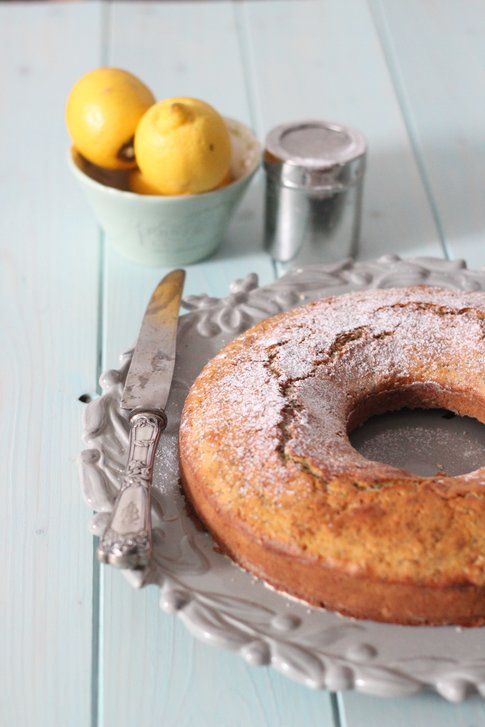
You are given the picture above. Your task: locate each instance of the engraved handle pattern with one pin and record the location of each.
(126, 542)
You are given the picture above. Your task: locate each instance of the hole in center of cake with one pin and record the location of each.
(423, 441)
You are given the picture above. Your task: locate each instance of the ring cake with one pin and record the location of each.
(267, 463)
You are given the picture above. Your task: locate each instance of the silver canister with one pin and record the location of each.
(314, 179)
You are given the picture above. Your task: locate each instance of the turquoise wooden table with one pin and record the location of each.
(78, 646)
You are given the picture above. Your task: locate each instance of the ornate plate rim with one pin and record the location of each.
(265, 632)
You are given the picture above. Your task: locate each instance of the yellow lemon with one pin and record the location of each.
(102, 112)
(140, 185)
(228, 179)
(182, 146)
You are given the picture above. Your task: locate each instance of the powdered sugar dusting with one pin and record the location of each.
(320, 360)
(267, 421)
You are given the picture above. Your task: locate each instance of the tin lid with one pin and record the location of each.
(315, 154)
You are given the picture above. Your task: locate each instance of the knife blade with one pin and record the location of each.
(126, 542)
(150, 374)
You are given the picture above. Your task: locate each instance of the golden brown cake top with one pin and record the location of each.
(265, 428)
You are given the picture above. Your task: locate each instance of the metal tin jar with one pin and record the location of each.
(314, 179)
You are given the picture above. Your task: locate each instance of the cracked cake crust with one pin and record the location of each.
(267, 463)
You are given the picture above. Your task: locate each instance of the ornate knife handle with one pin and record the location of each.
(127, 540)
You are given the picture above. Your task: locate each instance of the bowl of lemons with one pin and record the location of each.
(163, 178)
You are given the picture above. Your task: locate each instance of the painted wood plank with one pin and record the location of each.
(178, 682)
(324, 59)
(425, 710)
(437, 54)
(188, 48)
(48, 284)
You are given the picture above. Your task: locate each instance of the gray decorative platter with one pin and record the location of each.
(217, 601)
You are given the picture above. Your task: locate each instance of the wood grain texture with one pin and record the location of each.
(436, 52)
(48, 284)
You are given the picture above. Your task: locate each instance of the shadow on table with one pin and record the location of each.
(245, 235)
(398, 207)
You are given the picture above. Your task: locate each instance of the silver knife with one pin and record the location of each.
(126, 542)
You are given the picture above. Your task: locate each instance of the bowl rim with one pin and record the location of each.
(157, 198)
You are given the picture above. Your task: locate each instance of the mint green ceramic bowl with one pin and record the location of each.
(168, 230)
